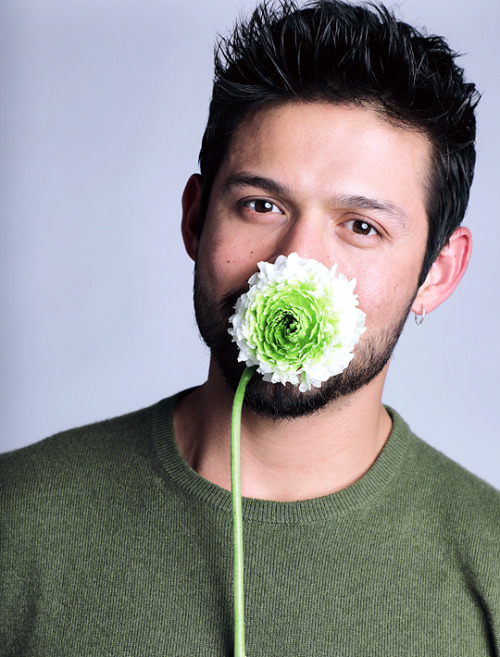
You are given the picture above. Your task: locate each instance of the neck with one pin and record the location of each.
(283, 460)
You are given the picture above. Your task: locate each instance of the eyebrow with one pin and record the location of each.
(366, 203)
(244, 179)
(353, 201)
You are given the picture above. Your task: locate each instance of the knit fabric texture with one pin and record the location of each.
(112, 546)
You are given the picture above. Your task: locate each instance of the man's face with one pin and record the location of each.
(335, 183)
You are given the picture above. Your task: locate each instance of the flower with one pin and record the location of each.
(298, 323)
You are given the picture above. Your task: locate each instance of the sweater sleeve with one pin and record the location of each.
(19, 528)
(58, 500)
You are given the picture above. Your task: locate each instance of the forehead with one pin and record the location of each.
(324, 118)
(318, 147)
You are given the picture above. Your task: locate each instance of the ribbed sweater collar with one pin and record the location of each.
(375, 483)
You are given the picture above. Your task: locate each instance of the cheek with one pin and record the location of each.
(383, 299)
(226, 263)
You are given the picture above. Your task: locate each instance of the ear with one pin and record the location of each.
(445, 273)
(190, 226)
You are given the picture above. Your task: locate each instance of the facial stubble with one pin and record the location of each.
(275, 399)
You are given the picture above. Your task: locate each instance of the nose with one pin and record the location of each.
(306, 237)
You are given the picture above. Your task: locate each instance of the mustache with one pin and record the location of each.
(228, 301)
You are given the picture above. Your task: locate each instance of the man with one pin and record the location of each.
(344, 135)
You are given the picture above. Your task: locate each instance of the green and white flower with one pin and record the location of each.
(298, 323)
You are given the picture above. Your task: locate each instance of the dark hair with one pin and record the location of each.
(343, 53)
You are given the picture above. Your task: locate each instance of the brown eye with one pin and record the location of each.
(362, 227)
(263, 206)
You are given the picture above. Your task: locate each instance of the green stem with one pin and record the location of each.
(239, 618)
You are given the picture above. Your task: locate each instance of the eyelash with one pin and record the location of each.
(277, 210)
(372, 230)
(248, 203)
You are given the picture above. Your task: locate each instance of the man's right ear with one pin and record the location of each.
(191, 214)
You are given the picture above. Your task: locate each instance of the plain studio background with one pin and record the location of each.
(104, 103)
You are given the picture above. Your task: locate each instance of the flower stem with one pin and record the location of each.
(239, 618)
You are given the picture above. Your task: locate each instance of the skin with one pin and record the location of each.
(340, 184)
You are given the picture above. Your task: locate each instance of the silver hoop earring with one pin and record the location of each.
(419, 320)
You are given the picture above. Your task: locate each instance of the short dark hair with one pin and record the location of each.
(342, 53)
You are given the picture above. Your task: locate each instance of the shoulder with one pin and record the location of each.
(72, 489)
(79, 458)
(451, 502)
(453, 484)
(439, 473)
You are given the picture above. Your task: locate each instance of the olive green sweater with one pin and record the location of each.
(111, 546)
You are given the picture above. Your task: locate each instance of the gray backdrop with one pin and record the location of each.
(103, 107)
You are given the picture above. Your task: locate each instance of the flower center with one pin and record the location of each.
(290, 322)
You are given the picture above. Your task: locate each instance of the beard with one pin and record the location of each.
(285, 401)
